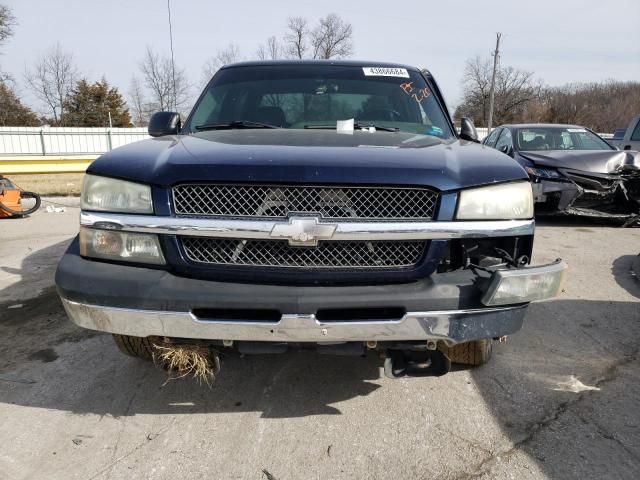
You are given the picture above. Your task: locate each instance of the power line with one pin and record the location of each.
(173, 64)
(496, 59)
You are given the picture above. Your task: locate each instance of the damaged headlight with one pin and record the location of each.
(122, 246)
(112, 195)
(507, 201)
(526, 284)
(543, 172)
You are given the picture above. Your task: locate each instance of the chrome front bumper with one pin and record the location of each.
(159, 304)
(453, 326)
(341, 231)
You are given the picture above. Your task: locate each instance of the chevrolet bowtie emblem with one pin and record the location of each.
(303, 231)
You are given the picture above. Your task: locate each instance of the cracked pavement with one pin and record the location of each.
(559, 400)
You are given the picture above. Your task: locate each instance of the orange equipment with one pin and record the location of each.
(11, 200)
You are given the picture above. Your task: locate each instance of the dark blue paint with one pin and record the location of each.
(161, 201)
(447, 208)
(321, 157)
(309, 156)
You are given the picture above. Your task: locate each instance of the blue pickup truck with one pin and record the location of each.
(326, 205)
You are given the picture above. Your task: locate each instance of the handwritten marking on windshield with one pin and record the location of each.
(418, 95)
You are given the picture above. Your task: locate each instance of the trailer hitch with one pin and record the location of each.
(416, 363)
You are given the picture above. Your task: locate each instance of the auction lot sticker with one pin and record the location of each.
(385, 72)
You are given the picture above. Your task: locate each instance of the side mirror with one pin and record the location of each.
(506, 149)
(164, 123)
(468, 130)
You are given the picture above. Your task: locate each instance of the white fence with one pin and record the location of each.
(16, 141)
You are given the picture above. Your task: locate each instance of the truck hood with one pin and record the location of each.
(309, 156)
(592, 161)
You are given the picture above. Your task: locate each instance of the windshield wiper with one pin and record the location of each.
(356, 125)
(232, 125)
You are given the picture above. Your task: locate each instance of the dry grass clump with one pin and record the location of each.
(183, 360)
(50, 184)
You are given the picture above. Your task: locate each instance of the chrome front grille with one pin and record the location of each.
(279, 201)
(278, 253)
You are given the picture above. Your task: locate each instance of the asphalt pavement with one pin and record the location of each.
(558, 400)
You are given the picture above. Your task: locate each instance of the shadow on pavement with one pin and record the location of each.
(39, 265)
(578, 221)
(42, 361)
(96, 378)
(564, 390)
(624, 274)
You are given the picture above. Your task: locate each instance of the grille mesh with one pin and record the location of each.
(277, 253)
(272, 201)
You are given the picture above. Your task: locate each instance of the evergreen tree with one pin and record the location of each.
(12, 112)
(89, 105)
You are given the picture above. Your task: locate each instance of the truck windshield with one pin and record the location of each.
(559, 138)
(318, 96)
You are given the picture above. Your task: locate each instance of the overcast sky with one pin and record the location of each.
(560, 40)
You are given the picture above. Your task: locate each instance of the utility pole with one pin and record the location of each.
(173, 63)
(496, 59)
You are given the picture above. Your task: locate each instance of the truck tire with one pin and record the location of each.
(473, 353)
(140, 347)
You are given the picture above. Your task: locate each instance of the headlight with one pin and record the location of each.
(111, 195)
(497, 202)
(123, 246)
(526, 284)
(543, 172)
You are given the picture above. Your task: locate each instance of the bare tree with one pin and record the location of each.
(7, 78)
(296, 38)
(7, 22)
(168, 88)
(515, 90)
(52, 79)
(332, 38)
(271, 51)
(602, 106)
(140, 109)
(519, 97)
(230, 54)
(477, 84)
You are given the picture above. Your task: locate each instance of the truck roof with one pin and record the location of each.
(346, 63)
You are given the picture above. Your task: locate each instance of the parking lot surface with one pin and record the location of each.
(558, 400)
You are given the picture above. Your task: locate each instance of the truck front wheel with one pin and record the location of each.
(473, 353)
(140, 347)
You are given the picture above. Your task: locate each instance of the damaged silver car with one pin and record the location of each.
(573, 170)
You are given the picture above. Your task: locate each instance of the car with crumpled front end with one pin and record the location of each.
(309, 205)
(573, 170)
